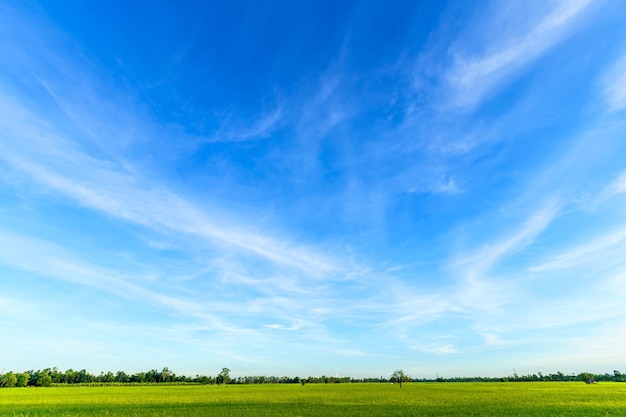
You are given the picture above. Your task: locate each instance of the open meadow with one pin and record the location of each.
(415, 399)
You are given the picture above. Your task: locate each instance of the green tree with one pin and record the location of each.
(44, 379)
(108, 377)
(587, 377)
(8, 380)
(122, 377)
(399, 377)
(223, 377)
(69, 377)
(166, 375)
(22, 379)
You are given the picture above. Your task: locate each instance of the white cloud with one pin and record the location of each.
(473, 77)
(295, 326)
(17, 309)
(446, 349)
(240, 131)
(354, 353)
(597, 250)
(56, 163)
(448, 187)
(619, 185)
(208, 312)
(67, 150)
(615, 86)
(476, 266)
(493, 340)
(600, 348)
(50, 260)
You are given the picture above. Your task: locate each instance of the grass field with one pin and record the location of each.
(416, 399)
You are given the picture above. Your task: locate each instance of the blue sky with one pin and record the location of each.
(309, 188)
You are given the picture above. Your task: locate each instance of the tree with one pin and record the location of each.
(399, 377)
(223, 377)
(108, 377)
(587, 377)
(22, 379)
(8, 380)
(122, 377)
(43, 379)
(166, 375)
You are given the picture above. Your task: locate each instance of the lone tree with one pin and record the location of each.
(223, 377)
(399, 376)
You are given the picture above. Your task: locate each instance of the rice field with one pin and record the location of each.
(415, 399)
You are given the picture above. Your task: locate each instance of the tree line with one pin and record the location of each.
(52, 376)
(616, 376)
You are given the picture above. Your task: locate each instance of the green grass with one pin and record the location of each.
(416, 399)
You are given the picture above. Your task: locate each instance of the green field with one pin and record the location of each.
(415, 399)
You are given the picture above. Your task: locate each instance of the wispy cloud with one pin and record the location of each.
(355, 353)
(598, 249)
(232, 130)
(615, 86)
(619, 185)
(293, 327)
(475, 76)
(576, 349)
(55, 150)
(113, 190)
(477, 266)
(47, 259)
(16, 311)
(198, 313)
(447, 349)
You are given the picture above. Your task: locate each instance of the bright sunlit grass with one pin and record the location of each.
(417, 399)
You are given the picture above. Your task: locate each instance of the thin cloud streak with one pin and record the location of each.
(479, 264)
(114, 186)
(123, 195)
(47, 259)
(615, 86)
(241, 131)
(473, 78)
(619, 185)
(599, 248)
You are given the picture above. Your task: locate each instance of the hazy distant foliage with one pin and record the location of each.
(52, 376)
